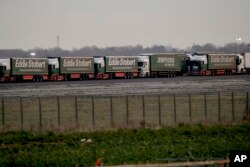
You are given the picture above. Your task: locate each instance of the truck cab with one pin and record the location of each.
(143, 65)
(196, 64)
(4, 69)
(99, 68)
(53, 69)
(240, 61)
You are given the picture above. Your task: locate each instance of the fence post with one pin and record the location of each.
(190, 108)
(233, 107)
(111, 111)
(159, 107)
(76, 112)
(40, 113)
(143, 108)
(219, 107)
(93, 112)
(247, 114)
(21, 110)
(174, 100)
(58, 112)
(3, 119)
(205, 106)
(127, 113)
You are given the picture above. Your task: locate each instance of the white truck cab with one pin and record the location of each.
(243, 63)
(144, 65)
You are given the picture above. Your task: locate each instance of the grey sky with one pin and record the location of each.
(26, 24)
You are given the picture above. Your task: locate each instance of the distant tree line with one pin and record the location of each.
(124, 50)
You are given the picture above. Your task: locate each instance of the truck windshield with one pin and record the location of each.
(140, 64)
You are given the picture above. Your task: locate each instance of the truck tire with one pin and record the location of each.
(110, 76)
(65, 78)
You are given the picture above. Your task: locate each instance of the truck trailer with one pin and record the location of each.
(68, 68)
(161, 64)
(116, 67)
(35, 69)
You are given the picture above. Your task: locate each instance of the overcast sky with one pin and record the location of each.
(25, 24)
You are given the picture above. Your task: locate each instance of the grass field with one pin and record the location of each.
(108, 112)
(131, 146)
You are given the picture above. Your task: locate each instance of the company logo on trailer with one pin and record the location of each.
(121, 62)
(224, 59)
(76, 62)
(30, 64)
(165, 60)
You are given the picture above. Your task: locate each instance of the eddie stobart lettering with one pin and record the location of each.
(222, 59)
(76, 62)
(121, 62)
(30, 63)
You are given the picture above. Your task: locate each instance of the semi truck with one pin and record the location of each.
(161, 64)
(212, 64)
(116, 67)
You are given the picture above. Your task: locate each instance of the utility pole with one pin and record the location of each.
(58, 41)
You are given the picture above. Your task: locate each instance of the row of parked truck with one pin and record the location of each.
(109, 67)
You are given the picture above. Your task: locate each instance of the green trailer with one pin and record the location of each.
(29, 66)
(121, 66)
(221, 61)
(168, 64)
(35, 69)
(76, 67)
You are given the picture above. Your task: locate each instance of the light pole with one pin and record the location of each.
(238, 40)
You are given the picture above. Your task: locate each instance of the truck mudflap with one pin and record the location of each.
(102, 76)
(205, 72)
(135, 74)
(91, 75)
(57, 78)
(5, 78)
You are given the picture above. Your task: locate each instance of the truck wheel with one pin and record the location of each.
(155, 75)
(213, 73)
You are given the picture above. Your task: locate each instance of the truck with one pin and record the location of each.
(244, 63)
(68, 68)
(4, 69)
(161, 64)
(212, 63)
(116, 67)
(35, 69)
